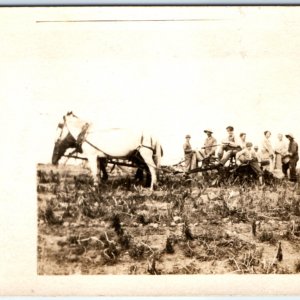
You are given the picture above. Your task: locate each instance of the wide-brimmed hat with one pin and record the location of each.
(230, 128)
(187, 136)
(208, 130)
(289, 135)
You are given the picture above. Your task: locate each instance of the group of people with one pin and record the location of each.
(280, 159)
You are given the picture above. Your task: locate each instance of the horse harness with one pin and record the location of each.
(82, 138)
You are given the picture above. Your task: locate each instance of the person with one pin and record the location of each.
(293, 158)
(280, 152)
(188, 153)
(208, 150)
(229, 147)
(242, 142)
(248, 156)
(267, 152)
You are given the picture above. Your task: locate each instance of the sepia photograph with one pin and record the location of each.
(159, 141)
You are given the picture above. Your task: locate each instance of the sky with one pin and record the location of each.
(195, 68)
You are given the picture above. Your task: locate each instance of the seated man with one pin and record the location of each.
(248, 156)
(242, 142)
(230, 146)
(208, 150)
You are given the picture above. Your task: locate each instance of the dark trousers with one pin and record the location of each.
(256, 168)
(292, 166)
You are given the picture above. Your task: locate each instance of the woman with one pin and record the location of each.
(267, 152)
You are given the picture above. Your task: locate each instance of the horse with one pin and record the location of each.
(141, 148)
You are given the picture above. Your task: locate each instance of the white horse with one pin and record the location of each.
(137, 146)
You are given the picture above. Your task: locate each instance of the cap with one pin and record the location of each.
(242, 133)
(187, 136)
(289, 135)
(249, 144)
(208, 130)
(229, 128)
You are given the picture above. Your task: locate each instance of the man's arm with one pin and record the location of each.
(293, 149)
(239, 154)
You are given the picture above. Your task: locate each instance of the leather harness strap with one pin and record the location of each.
(82, 138)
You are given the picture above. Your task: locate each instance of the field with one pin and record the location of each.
(185, 226)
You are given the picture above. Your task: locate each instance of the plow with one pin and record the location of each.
(208, 169)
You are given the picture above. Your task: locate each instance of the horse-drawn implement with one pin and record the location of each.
(208, 171)
(122, 148)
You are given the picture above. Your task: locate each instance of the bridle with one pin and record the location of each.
(61, 125)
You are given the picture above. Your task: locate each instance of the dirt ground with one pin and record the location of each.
(185, 226)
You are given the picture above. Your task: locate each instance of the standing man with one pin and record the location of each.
(280, 151)
(294, 157)
(188, 153)
(229, 145)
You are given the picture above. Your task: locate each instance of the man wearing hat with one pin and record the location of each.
(210, 143)
(293, 158)
(248, 155)
(188, 153)
(230, 145)
(208, 150)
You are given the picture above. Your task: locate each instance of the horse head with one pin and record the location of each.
(64, 140)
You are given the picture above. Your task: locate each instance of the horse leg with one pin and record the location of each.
(102, 163)
(139, 176)
(93, 164)
(147, 157)
(148, 177)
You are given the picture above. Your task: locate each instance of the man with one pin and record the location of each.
(210, 144)
(188, 153)
(294, 157)
(207, 151)
(248, 156)
(257, 153)
(242, 142)
(229, 145)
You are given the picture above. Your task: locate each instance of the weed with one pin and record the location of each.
(267, 236)
(297, 266)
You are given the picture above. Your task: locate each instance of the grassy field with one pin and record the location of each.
(185, 226)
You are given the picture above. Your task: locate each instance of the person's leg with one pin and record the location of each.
(293, 173)
(226, 156)
(188, 162)
(285, 169)
(257, 170)
(221, 152)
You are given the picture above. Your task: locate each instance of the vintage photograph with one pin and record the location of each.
(169, 142)
(141, 141)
